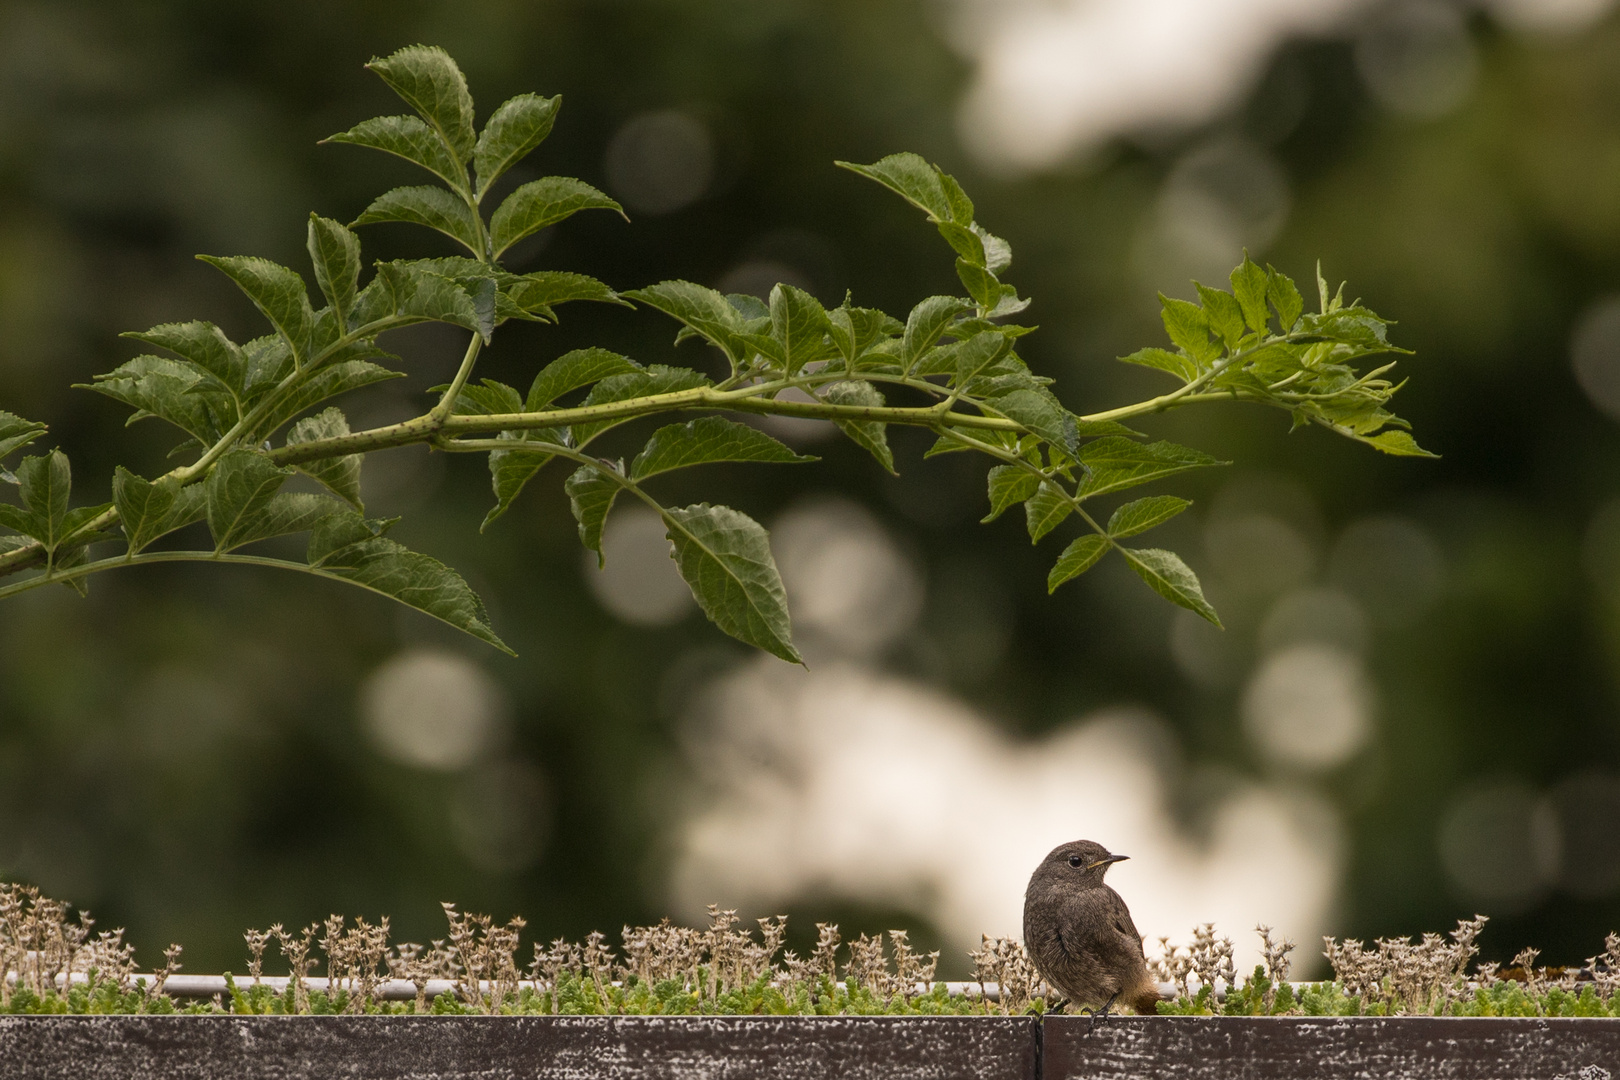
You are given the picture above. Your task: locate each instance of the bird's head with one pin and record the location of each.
(1079, 862)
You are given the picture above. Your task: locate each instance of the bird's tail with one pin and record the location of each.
(1145, 1001)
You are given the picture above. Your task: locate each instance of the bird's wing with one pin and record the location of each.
(1119, 920)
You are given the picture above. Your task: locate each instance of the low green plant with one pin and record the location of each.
(50, 963)
(251, 415)
(1397, 977)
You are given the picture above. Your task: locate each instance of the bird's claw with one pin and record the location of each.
(1100, 1014)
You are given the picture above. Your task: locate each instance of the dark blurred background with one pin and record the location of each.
(1421, 656)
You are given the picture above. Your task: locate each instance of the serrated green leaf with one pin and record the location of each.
(287, 512)
(46, 484)
(340, 475)
(16, 433)
(1040, 412)
(573, 370)
(706, 311)
(1188, 327)
(427, 205)
(1284, 296)
(510, 470)
(410, 138)
(337, 531)
(1171, 578)
(1009, 485)
(725, 557)
(327, 382)
(540, 203)
(431, 83)
(919, 183)
(19, 520)
(1398, 443)
(957, 199)
(206, 346)
(276, 291)
(346, 547)
(335, 252)
(869, 434)
(645, 382)
(420, 296)
(997, 252)
(1010, 305)
(1081, 555)
(1115, 463)
(151, 509)
(1224, 313)
(238, 490)
(752, 309)
(928, 320)
(854, 329)
(1182, 367)
(980, 283)
(516, 128)
(945, 445)
(542, 289)
(591, 492)
(705, 440)
(1045, 510)
(1350, 325)
(170, 390)
(978, 353)
(1144, 514)
(69, 558)
(79, 518)
(964, 241)
(799, 326)
(485, 398)
(1249, 287)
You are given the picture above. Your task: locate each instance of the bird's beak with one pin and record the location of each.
(1105, 862)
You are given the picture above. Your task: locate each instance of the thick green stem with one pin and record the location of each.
(447, 403)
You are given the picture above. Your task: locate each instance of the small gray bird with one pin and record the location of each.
(1079, 932)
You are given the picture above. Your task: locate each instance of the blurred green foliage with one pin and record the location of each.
(181, 752)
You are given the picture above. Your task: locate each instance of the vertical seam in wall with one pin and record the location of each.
(1040, 1048)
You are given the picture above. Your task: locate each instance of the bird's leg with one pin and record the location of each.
(1101, 1014)
(1058, 1005)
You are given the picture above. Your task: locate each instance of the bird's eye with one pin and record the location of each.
(1075, 860)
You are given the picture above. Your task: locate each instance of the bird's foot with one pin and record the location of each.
(1100, 1014)
(1058, 1006)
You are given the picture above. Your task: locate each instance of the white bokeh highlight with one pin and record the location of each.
(1594, 352)
(660, 162)
(433, 709)
(843, 783)
(850, 587)
(637, 580)
(1417, 58)
(1500, 845)
(1309, 706)
(1056, 78)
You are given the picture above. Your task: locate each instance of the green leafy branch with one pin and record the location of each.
(951, 366)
